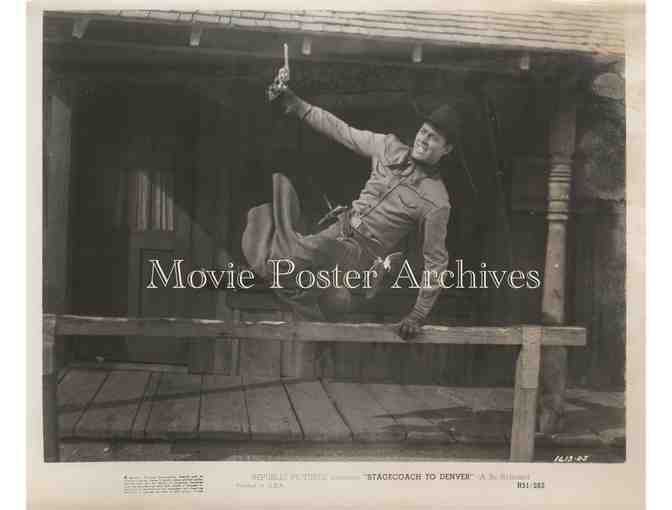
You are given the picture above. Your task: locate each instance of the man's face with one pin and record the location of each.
(429, 145)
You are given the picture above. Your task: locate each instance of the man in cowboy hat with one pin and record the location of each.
(404, 192)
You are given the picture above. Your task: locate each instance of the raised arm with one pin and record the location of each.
(364, 143)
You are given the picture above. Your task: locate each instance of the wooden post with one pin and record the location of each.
(49, 390)
(525, 396)
(57, 178)
(297, 358)
(562, 137)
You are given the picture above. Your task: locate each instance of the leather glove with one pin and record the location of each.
(410, 327)
(288, 102)
(279, 85)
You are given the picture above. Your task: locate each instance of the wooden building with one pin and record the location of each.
(158, 139)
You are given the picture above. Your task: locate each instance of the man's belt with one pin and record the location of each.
(383, 264)
(359, 231)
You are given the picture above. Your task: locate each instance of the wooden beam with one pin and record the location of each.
(195, 36)
(416, 55)
(79, 27)
(49, 391)
(306, 46)
(57, 195)
(525, 61)
(525, 396)
(306, 331)
(64, 50)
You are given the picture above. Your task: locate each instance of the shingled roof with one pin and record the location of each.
(595, 30)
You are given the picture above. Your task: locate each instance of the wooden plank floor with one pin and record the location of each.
(138, 405)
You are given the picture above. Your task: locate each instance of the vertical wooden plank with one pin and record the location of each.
(157, 193)
(339, 360)
(525, 396)
(58, 146)
(206, 181)
(200, 355)
(182, 207)
(298, 358)
(414, 367)
(145, 408)
(112, 412)
(144, 201)
(50, 418)
(379, 363)
(132, 202)
(49, 390)
(228, 127)
(121, 196)
(271, 414)
(317, 415)
(366, 418)
(288, 354)
(223, 409)
(75, 392)
(260, 358)
(175, 409)
(167, 207)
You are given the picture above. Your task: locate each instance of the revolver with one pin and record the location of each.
(279, 84)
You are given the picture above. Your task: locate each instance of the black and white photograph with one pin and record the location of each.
(325, 235)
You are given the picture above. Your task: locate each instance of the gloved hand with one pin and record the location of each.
(279, 85)
(410, 327)
(285, 100)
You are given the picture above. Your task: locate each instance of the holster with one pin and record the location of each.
(344, 221)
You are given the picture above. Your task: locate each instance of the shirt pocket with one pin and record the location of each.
(409, 200)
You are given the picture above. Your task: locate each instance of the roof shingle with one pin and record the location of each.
(597, 30)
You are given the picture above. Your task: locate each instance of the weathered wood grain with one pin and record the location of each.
(317, 415)
(409, 412)
(58, 178)
(137, 367)
(50, 418)
(366, 418)
(75, 392)
(175, 409)
(223, 409)
(145, 408)
(307, 331)
(478, 399)
(50, 380)
(298, 359)
(380, 362)
(416, 364)
(271, 414)
(602, 398)
(525, 397)
(258, 358)
(113, 410)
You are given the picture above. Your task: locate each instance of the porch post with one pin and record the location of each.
(57, 172)
(562, 135)
(56, 193)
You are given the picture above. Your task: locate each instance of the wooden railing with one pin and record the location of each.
(530, 338)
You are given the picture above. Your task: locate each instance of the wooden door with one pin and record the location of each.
(133, 204)
(159, 180)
